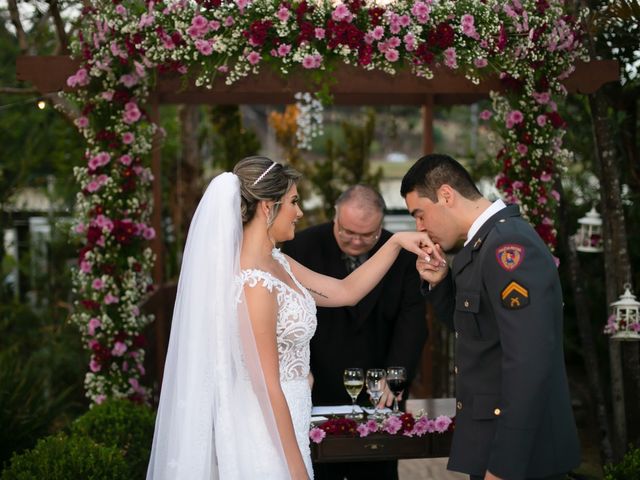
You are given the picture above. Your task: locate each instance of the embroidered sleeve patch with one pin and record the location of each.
(514, 296)
(510, 255)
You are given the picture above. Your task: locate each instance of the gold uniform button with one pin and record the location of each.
(459, 405)
(497, 412)
(466, 303)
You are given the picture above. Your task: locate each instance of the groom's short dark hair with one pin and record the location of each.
(432, 171)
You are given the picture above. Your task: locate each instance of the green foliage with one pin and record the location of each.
(347, 162)
(68, 458)
(123, 425)
(29, 404)
(232, 141)
(627, 469)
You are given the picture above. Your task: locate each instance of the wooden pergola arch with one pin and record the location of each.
(352, 86)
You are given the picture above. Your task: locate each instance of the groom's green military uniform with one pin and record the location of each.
(503, 299)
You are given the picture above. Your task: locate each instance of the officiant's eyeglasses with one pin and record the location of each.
(348, 235)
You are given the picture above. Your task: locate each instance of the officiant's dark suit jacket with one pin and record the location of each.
(504, 300)
(387, 328)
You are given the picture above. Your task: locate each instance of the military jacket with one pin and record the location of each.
(503, 298)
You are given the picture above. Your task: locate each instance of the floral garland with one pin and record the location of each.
(405, 424)
(122, 45)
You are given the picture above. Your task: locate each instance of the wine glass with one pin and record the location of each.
(397, 382)
(353, 379)
(375, 387)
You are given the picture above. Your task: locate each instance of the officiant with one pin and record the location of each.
(387, 328)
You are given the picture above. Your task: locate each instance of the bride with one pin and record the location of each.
(236, 396)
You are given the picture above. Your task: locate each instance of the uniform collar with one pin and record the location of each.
(494, 208)
(464, 256)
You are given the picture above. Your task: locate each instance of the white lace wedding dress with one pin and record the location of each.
(296, 325)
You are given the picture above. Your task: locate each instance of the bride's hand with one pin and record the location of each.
(420, 244)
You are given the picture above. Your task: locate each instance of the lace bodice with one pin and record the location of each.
(296, 322)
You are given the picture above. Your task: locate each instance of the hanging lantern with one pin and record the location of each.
(624, 322)
(588, 238)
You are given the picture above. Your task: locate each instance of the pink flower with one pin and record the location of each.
(542, 98)
(467, 19)
(85, 267)
(442, 423)
(205, 47)
(341, 12)
(109, 299)
(317, 434)
(372, 426)
(377, 33)
(480, 62)
(214, 25)
(308, 62)
(362, 430)
(319, 33)
(545, 177)
(542, 200)
(514, 117)
(431, 426)
(420, 427)
(228, 21)
(450, 58)
(100, 399)
(485, 115)
(108, 96)
(93, 186)
(409, 42)
(404, 20)
(97, 284)
(120, 10)
(242, 4)
(253, 57)
(131, 113)
(82, 122)
(223, 68)
(555, 195)
(391, 55)
(146, 20)
(134, 384)
(541, 120)
(93, 324)
(283, 14)
(94, 366)
(517, 185)
(392, 425)
(200, 23)
(140, 368)
(125, 159)
(149, 233)
(283, 49)
(128, 138)
(129, 80)
(80, 228)
(522, 149)
(118, 349)
(420, 10)
(79, 79)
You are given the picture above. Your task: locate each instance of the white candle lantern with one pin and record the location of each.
(624, 322)
(589, 236)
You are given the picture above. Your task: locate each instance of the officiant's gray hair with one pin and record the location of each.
(256, 185)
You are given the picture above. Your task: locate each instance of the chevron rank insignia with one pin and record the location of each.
(514, 296)
(510, 255)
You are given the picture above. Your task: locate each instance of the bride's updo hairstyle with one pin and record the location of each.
(263, 179)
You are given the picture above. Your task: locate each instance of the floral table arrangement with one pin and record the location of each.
(405, 424)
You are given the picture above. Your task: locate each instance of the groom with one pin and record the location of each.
(502, 296)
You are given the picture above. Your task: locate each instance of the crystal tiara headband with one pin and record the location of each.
(264, 173)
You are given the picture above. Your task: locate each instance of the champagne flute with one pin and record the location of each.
(353, 379)
(397, 381)
(375, 387)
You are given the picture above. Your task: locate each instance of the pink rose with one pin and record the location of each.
(85, 267)
(94, 366)
(283, 14)
(109, 299)
(485, 115)
(480, 62)
(93, 324)
(442, 423)
(128, 138)
(82, 122)
(283, 49)
(205, 47)
(522, 149)
(319, 33)
(253, 57)
(391, 55)
(125, 159)
(362, 430)
(118, 349)
(541, 120)
(97, 284)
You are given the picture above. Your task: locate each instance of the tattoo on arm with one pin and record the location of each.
(317, 293)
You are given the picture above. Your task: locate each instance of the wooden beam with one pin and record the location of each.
(353, 86)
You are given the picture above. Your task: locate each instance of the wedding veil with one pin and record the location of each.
(214, 419)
